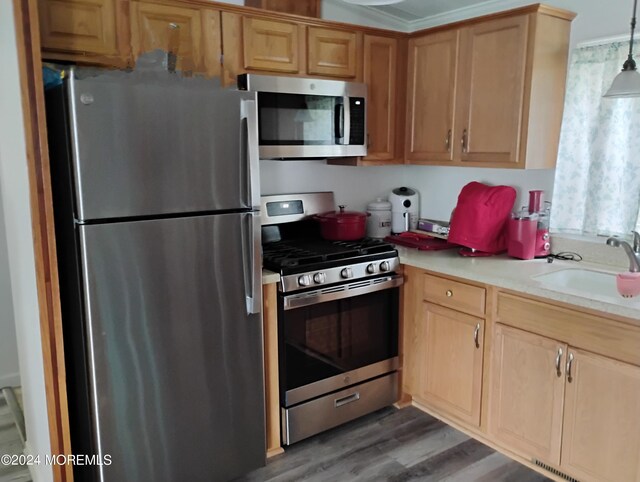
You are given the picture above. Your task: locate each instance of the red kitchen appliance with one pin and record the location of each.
(523, 227)
(543, 241)
(529, 229)
(479, 221)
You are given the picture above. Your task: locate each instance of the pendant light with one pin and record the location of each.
(627, 82)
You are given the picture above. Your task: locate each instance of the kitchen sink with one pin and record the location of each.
(585, 282)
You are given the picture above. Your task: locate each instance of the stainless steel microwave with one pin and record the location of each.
(302, 118)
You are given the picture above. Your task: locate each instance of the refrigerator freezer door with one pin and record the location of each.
(175, 361)
(152, 144)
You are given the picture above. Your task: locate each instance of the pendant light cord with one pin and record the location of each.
(630, 64)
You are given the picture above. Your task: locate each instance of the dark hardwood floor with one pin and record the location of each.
(392, 445)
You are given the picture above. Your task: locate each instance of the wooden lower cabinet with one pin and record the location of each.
(533, 387)
(527, 393)
(451, 362)
(601, 429)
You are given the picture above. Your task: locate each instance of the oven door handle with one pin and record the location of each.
(356, 288)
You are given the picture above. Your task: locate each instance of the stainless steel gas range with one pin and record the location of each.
(338, 308)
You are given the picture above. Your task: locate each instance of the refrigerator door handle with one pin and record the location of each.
(250, 111)
(253, 267)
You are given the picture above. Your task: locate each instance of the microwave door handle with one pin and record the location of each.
(346, 120)
(338, 115)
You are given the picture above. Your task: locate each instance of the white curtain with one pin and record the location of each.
(597, 180)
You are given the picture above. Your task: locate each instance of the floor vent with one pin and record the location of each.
(554, 471)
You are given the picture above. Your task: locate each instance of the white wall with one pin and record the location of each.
(14, 185)
(438, 186)
(9, 376)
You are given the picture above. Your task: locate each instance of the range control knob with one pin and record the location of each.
(385, 266)
(346, 273)
(319, 278)
(304, 280)
(371, 269)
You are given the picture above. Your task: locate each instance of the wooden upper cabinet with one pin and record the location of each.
(451, 362)
(168, 28)
(601, 433)
(333, 52)
(490, 93)
(380, 75)
(86, 27)
(501, 94)
(431, 83)
(527, 393)
(307, 8)
(270, 45)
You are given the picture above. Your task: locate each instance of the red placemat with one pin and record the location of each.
(419, 241)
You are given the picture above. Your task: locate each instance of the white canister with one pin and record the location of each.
(379, 220)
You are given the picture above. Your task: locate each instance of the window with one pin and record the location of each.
(597, 180)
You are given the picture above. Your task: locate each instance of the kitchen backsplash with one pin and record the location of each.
(356, 186)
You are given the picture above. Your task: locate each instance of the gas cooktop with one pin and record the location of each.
(298, 255)
(292, 245)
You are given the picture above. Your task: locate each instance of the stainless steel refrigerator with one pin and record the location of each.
(156, 197)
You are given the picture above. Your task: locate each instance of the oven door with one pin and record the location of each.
(338, 336)
(293, 125)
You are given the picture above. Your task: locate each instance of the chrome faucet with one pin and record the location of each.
(632, 252)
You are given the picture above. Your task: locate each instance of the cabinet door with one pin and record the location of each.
(79, 26)
(491, 89)
(308, 8)
(332, 52)
(380, 72)
(212, 37)
(601, 433)
(171, 29)
(270, 45)
(451, 366)
(431, 96)
(527, 393)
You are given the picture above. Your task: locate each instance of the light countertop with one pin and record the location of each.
(269, 277)
(513, 274)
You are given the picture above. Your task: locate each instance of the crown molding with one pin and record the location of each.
(465, 13)
(603, 40)
(378, 18)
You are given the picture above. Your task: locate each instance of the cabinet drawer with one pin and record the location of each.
(582, 330)
(453, 294)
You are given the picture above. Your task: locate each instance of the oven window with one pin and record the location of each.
(327, 339)
(295, 119)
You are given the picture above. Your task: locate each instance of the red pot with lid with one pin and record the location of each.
(342, 225)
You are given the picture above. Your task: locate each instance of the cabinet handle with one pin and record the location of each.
(173, 47)
(569, 364)
(447, 141)
(449, 293)
(476, 335)
(463, 141)
(558, 362)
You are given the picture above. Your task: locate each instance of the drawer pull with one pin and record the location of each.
(339, 402)
(476, 335)
(558, 362)
(449, 293)
(569, 365)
